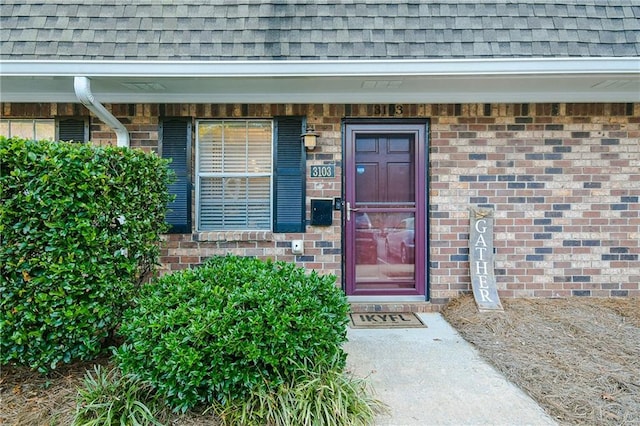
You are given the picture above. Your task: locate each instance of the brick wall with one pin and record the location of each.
(564, 180)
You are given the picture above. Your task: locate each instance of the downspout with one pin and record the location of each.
(82, 87)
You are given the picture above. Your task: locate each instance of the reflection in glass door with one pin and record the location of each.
(385, 228)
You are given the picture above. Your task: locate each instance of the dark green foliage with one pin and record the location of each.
(232, 327)
(79, 229)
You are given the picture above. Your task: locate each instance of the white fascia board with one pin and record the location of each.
(364, 68)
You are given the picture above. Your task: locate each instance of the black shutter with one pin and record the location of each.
(175, 143)
(73, 129)
(289, 180)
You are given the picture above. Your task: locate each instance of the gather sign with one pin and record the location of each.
(481, 259)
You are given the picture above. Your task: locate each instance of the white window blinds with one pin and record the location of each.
(234, 172)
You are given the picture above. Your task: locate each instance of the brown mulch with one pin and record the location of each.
(579, 358)
(28, 398)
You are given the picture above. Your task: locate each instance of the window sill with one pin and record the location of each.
(233, 236)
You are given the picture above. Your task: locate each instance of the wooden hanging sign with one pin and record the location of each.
(481, 260)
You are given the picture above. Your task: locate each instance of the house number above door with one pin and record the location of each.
(388, 109)
(324, 171)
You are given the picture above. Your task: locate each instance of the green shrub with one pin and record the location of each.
(231, 327)
(315, 396)
(79, 229)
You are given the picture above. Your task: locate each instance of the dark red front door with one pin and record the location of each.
(385, 209)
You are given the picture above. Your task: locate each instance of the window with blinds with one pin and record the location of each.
(63, 129)
(234, 174)
(37, 129)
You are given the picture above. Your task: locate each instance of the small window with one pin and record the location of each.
(34, 129)
(234, 174)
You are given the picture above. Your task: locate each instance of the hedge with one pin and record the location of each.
(79, 232)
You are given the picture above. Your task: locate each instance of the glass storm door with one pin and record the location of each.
(385, 205)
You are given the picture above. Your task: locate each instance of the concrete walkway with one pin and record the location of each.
(432, 376)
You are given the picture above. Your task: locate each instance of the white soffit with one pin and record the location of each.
(410, 81)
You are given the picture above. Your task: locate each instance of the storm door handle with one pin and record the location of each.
(349, 210)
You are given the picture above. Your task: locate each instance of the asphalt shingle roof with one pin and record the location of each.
(324, 29)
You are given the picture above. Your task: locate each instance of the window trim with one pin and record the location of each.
(199, 175)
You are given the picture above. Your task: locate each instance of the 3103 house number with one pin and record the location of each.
(390, 109)
(323, 171)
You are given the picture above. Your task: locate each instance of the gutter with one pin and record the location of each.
(82, 87)
(326, 68)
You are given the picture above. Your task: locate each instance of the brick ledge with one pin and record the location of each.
(229, 236)
(394, 307)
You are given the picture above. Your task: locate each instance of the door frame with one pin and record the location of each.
(420, 127)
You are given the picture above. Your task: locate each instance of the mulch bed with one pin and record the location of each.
(579, 358)
(28, 398)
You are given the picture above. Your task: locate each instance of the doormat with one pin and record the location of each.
(385, 320)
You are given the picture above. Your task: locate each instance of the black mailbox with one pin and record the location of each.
(321, 212)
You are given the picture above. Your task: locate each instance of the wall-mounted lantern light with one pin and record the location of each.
(309, 138)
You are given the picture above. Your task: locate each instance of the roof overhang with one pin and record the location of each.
(342, 81)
